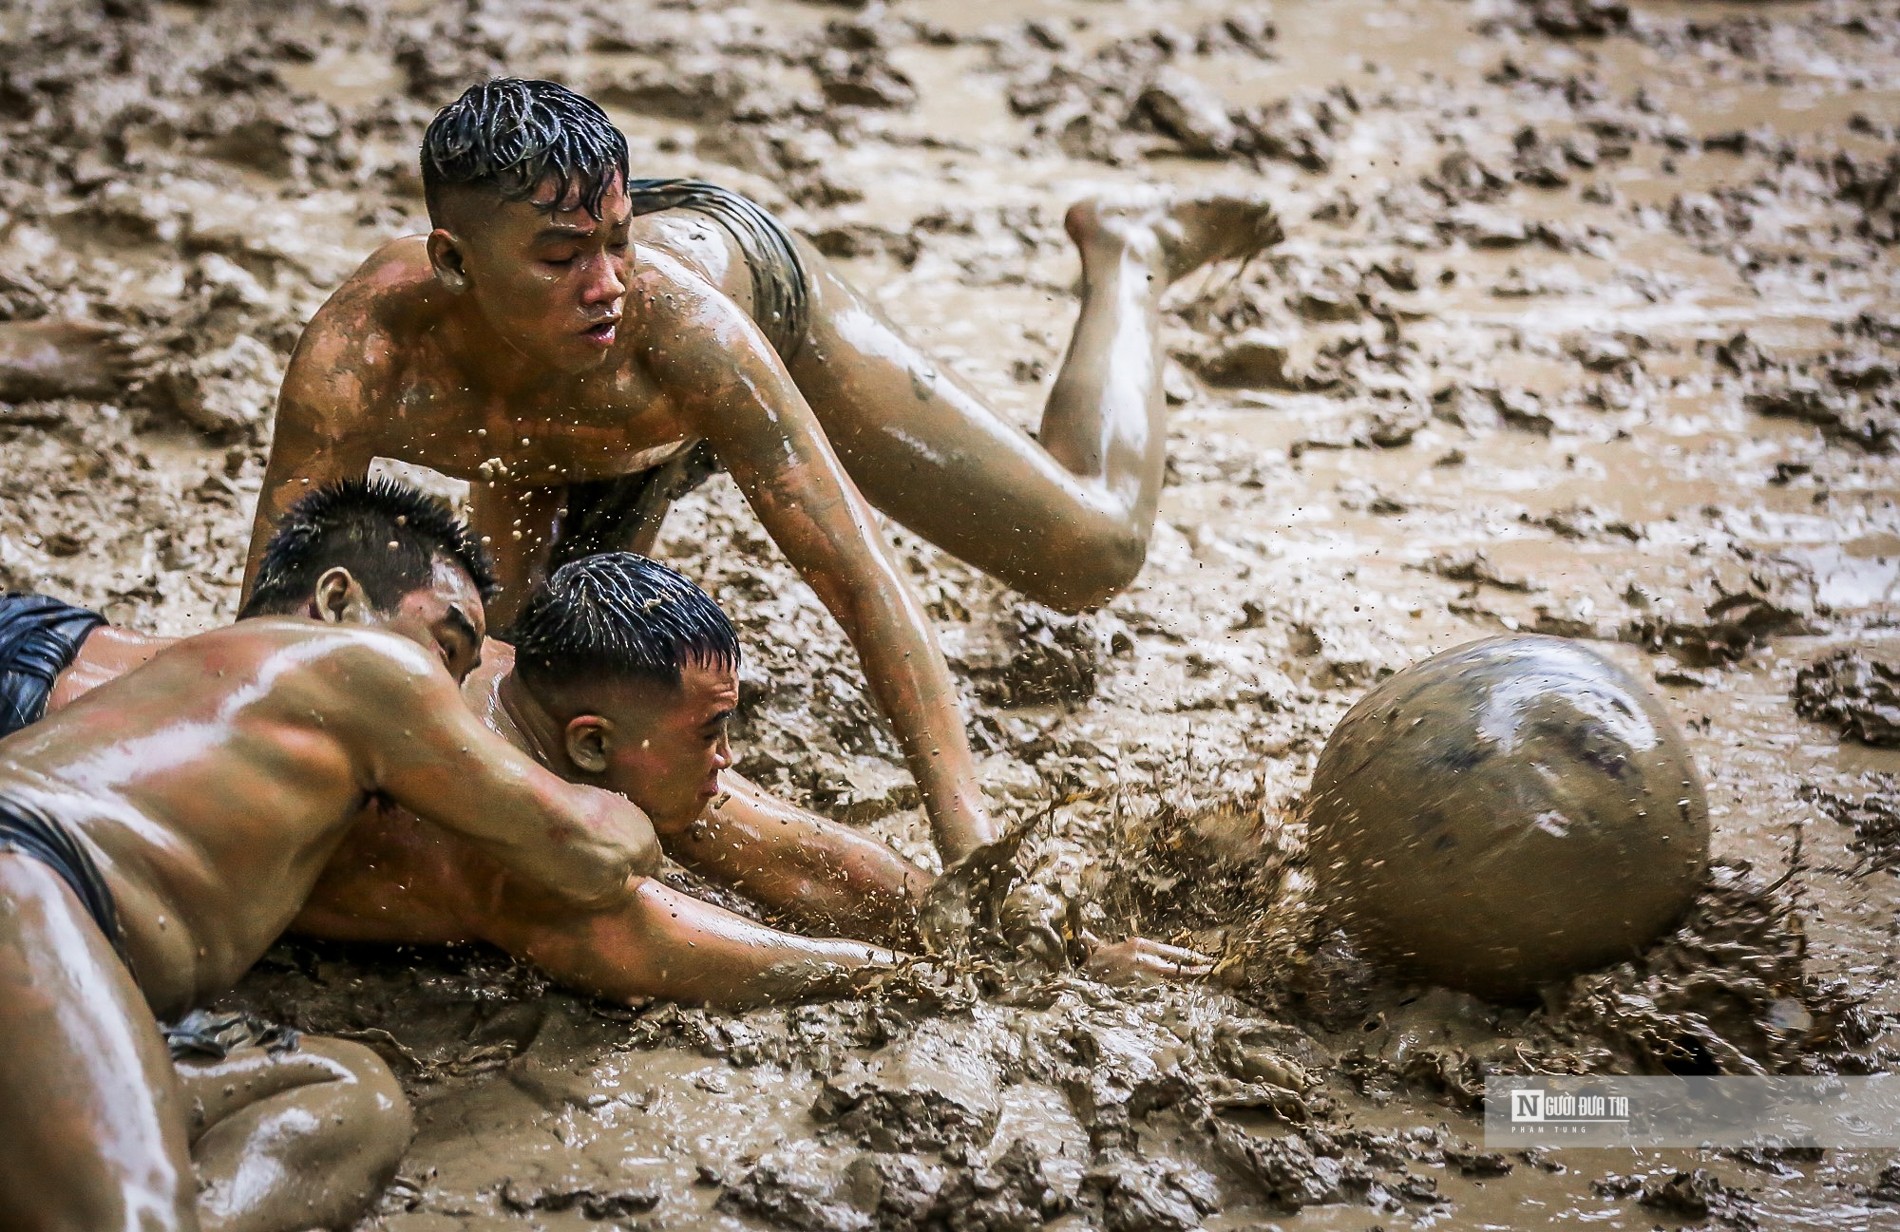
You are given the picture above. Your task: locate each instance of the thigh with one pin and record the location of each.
(92, 1129)
(925, 449)
(919, 443)
(519, 525)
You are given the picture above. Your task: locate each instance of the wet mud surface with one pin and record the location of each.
(1586, 325)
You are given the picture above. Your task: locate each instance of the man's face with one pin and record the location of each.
(549, 277)
(670, 744)
(445, 617)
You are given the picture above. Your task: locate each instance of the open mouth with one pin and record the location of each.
(603, 333)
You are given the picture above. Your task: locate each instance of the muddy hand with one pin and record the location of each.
(1141, 961)
(968, 893)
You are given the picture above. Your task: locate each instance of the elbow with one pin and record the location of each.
(644, 854)
(598, 897)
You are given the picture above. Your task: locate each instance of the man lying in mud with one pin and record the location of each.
(157, 834)
(581, 345)
(624, 676)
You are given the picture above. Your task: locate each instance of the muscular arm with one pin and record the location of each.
(825, 876)
(322, 415)
(662, 943)
(729, 387)
(518, 523)
(429, 753)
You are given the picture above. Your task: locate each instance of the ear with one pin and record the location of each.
(445, 257)
(339, 599)
(589, 739)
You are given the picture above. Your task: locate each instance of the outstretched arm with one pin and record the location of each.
(731, 388)
(662, 943)
(825, 876)
(430, 754)
(320, 434)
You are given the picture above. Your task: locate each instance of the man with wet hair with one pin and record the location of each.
(581, 345)
(159, 832)
(404, 548)
(624, 675)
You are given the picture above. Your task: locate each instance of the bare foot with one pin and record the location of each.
(60, 359)
(1179, 237)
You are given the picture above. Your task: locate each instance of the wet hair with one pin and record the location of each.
(387, 534)
(616, 616)
(509, 134)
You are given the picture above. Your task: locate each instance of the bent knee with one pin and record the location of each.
(376, 1103)
(1090, 575)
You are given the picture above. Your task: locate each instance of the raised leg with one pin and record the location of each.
(1065, 519)
(293, 1140)
(92, 1128)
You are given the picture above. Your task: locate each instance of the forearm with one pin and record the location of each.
(823, 875)
(665, 944)
(588, 848)
(912, 687)
(518, 524)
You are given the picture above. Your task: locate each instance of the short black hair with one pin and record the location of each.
(619, 615)
(386, 534)
(511, 133)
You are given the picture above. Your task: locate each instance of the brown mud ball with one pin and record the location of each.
(1509, 812)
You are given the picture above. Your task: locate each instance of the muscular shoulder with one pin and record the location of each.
(690, 325)
(357, 344)
(339, 668)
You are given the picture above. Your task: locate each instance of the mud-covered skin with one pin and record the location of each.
(526, 345)
(315, 1132)
(1508, 813)
(397, 878)
(211, 785)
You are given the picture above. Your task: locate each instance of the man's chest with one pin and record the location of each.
(592, 430)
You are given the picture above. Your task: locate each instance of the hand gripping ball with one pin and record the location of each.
(1507, 813)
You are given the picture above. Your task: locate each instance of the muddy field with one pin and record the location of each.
(1586, 324)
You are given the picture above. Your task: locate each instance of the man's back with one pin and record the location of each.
(212, 784)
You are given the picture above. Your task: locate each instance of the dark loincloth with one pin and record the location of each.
(25, 830)
(781, 288)
(39, 637)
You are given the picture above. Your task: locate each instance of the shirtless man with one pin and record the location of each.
(564, 325)
(156, 836)
(624, 677)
